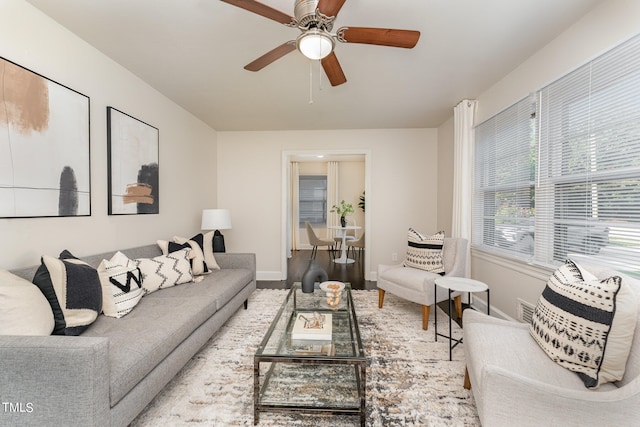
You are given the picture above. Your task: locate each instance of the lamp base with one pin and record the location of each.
(218, 242)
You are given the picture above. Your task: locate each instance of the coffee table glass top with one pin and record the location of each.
(346, 342)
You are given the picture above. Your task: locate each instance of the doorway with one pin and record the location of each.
(351, 194)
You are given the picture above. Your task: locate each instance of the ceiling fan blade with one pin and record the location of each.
(262, 10)
(271, 56)
(330, 7)
(333, 69)
(379, 36)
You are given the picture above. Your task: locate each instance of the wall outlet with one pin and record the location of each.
(394, 256)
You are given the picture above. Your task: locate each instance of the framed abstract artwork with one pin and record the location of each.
(132, 162)
(44, 146)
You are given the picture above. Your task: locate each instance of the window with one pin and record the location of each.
(504, 180)
(313, 199)
(584, 168)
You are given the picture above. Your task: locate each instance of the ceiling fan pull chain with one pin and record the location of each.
(320, 74)
(310, 82)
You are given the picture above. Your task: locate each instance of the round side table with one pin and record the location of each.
(456, 284)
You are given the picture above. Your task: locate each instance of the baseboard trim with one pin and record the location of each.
(481, 306)
(270, 275)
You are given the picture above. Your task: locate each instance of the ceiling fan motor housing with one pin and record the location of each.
(308, 16)
(305, 12)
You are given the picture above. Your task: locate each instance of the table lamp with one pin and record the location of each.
(216, 219)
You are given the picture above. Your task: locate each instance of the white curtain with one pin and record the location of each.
(295, 205)
(333, 184)
(463, 118)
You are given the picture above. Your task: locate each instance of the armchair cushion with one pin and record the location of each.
(586, 326)
(411, 278)
(425, 252)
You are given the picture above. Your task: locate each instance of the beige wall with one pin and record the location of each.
(607, 25)
(187, 146)
(403, 186)
(445, 176)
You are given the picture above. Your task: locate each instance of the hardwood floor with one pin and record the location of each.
(352, 273)
(298, 263)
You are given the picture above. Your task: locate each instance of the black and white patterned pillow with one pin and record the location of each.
(425, 252)
(121, 281)
(73, 290)
(586, 326)
(198, 265)
(206, 244)
(165, 271)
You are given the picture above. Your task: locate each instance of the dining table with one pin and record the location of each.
(342, 232)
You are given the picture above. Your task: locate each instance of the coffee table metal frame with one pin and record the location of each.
(277, 348)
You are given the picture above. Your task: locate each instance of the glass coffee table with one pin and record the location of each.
(311, 376)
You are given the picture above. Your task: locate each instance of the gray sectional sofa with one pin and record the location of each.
(108, 374)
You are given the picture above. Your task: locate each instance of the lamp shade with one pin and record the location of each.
(215, 219)
(315, 44)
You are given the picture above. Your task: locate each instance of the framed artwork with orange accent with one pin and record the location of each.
(132, 164)
(44, 146)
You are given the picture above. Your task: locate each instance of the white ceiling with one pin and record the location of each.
(194, 51)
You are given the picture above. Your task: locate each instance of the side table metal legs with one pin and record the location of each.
(435, 320)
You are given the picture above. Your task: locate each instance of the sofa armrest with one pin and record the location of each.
(54, 380)
(237, 260)
(507, 397)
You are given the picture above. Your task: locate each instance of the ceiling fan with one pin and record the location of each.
(315, 19)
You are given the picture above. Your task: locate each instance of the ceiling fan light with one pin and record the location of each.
(315, 44)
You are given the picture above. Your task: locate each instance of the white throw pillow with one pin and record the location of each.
(23, 308)
(165, 271)
(121, 281)
(198, 266)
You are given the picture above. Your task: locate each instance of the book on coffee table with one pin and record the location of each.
(313, 349)
(312, 326)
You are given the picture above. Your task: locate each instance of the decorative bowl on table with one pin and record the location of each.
(331, 286)
(333, 290)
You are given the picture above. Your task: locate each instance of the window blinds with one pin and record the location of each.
(504, 174)
(588, 194)
(567, 183)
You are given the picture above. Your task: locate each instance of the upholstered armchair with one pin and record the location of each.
(514, 382)
(418, 285)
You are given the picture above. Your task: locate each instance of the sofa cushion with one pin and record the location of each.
(73, 290)
(121, 281)
(221, 285)
(23, 308)
(139, 341)
(425, 252)
(165, 271)
(586, 326)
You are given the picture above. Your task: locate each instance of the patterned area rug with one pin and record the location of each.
(410, 380)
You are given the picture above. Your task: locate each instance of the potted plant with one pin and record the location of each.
(343, 209)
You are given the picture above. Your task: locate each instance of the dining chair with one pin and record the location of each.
(315, 241)
(356, 244)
